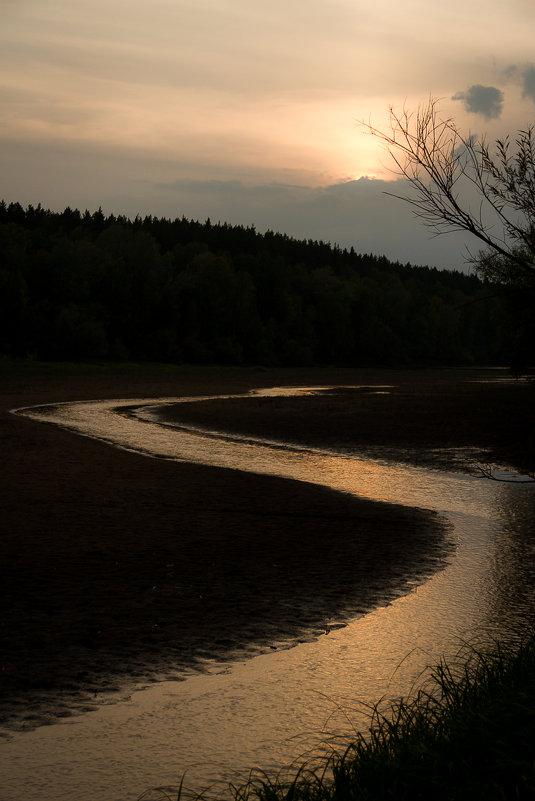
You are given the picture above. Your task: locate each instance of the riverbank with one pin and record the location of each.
(118, 569)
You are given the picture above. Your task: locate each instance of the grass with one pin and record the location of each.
(468, 734)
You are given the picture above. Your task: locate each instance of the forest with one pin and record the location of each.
(85, 286)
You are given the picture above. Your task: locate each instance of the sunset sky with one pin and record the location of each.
(246, 110)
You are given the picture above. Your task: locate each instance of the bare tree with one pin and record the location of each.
(444, 167)
(461, 183)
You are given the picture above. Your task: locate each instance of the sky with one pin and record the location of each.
(248, 111)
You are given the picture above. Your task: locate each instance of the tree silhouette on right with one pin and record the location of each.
(461, 183)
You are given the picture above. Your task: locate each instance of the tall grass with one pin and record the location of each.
(469, 733)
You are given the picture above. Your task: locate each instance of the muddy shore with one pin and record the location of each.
(117, 568)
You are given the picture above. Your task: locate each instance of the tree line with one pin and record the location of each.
(85, 286)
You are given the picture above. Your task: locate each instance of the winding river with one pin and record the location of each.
(268, 710)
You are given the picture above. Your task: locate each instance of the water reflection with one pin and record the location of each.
(138, 427)
(513, 564)
(250, 712)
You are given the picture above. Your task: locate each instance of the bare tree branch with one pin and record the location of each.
(489, 472)
(439, 164)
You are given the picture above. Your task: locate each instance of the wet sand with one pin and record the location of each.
(117, 568)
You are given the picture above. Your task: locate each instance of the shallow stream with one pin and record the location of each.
(268, 710)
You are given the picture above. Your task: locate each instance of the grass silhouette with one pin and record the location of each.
(468, 733)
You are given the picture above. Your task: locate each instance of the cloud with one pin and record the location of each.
(524, 75)
(354, 213)
(484, 100)
(528, 82)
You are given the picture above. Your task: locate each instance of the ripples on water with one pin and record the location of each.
(268, 710)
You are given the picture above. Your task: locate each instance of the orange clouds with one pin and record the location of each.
(264, 91)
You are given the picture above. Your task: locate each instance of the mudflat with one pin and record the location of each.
(120, 569)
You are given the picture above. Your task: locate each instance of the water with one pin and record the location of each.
(268, 710)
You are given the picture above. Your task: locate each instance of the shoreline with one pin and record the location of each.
(104, 551)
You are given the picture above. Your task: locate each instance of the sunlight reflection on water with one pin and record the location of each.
(269, 709)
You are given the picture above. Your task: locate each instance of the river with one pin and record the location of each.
(268, 710)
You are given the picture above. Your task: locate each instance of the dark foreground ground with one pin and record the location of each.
(117, 568)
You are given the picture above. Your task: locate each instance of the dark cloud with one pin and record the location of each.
(523, 75)
(354, 213)
(485, 100)
(528, 82)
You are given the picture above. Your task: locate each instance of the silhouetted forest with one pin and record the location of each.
(83, 286)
